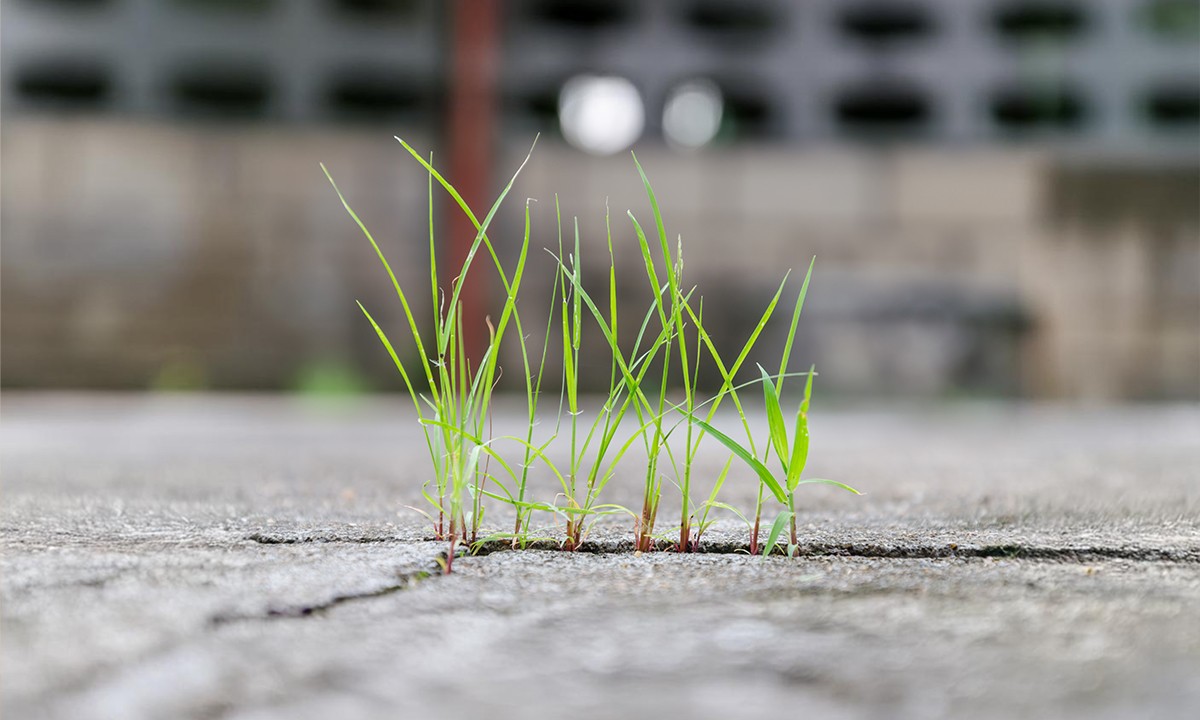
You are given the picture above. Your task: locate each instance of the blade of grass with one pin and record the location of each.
(778, 431)
(759, 469)
(799, 457)
(412, 323)
(781, 521)
(791, 337)
(823, 481)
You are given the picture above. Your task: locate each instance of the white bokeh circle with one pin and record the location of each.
(601, 114)
(692, 113)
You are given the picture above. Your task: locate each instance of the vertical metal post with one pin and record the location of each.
(475, 55)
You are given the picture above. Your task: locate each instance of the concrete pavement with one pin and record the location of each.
(250, 557)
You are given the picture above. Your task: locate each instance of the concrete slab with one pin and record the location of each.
(250, 557)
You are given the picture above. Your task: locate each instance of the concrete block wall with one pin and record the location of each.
(136, 250)
(1091, 73)
(962, 256)
(900, 276)
(916, 70)
(1118, 307)
(913, 145)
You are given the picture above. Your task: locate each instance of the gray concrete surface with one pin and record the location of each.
(250, 557)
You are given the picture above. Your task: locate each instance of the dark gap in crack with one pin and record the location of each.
(1082, 553)
(285, 539)
(899, 552)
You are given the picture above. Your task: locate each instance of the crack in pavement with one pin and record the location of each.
(286, 539)
(98, 677)
(900, 551)
(404, 582)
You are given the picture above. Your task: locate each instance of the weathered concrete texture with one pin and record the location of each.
(251, 558)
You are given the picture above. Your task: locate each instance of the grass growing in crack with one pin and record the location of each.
(453, 397)
(581, 464)
(671, 317)
(455, 412)
(792, 457)
(730, 389)
(584, 471)
(517, 497)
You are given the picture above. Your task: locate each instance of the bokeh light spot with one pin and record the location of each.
(692, 115)
(601, 115)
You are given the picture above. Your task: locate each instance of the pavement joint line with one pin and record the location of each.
(904, 552)
(1085, 553)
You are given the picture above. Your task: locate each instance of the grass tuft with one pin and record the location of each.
(452, 396)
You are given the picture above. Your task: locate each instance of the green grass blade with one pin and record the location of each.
(777, 527)
(800, 445)
(823, 481)
(712, 496)
(762, 323)
(727, 388)
(775, 418)
(791, 338)
(481, 227)
(729, 373)
(651, 272)
(812, 371)
(383, 338)
(433, 273)
(799, 453)
(532, 389)
(612, 287)
(632, 382)
(759, 469)
(658, 221)
(732, 509)
(412, 322)
(571, 385)
(576, 279)
(480, 446)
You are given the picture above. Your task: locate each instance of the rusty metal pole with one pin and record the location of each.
(475, 56)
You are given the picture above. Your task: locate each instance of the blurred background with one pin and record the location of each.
(1003, 195)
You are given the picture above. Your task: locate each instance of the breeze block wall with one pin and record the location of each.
(1001, 194)
(134, 250)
